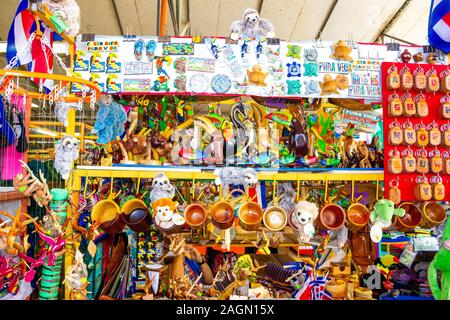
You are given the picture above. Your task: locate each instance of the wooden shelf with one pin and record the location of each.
(11, 195)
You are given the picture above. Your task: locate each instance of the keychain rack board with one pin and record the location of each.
(407, 180)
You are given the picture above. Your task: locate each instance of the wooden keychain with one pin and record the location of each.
(444, 109)
(407, 79)
(435, 135)
(445, 81)
(433, 81)
(423, 138)
(446, 160)
(395, 164)
(395, 194)
(395, 106)
(420, 79)
(422, 163)
(393, 78)
(409, 161)
(436, 162)
(445, 129)
(423, 189)
(395, 134)
(409, 107)
(421, 106)
(438, 188)
(409, 134)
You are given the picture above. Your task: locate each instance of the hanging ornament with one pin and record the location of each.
(445, 107)
(438, 188)
(434, 134)
(422, 164)
(395, 195)
(446, 135)
(436, 162)
(409, 161)
(433, 81)
(409, 107)
(420, 79)
(423, 138)
(395, 162)
(393, 78)
(395, 105)
(409, 134)
(423, 189)
(446, 166)
(445, 81)
(395, 134)
(421, 106)
(407, 79)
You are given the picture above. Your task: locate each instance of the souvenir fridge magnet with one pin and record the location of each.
(178, 49)
(161, 84)
(420, 79)
(113, 84)
(180, 83)
(433, 81)
(445, 107)
(221, 83)
(311, 69)
(395, 106)
(293, 87)
(341, 51)
(112, 65)
(294, 69)
(276, 72)
(81, 64)
(393, 78)
(139, 49)
(395, 134)
(150, 49)
(180, 65)
(395, 164)
(310, 55)
(97, 65)
(201, 64)
(293, 51)
(259, 50)
(245, 49)
(198, 83)
(342, 82)
(395, 194)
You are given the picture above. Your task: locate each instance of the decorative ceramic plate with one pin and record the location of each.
(221, 83)
(199, 83)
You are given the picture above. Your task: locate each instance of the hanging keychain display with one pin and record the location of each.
(423, 137)
(421, 106)
(438, 188)
(395, 134)
(423, 190)
(436, 163)
(395, 162)
(409, 107)
(395, 195)
(407, 79)
(393, 78)
(422, 164)
(445, 107)
(435, 135)
(409, 134)
(420, 79)
(409, 161)
(395, 106)
(433, 82)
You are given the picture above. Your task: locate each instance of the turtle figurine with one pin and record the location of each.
(311, 69)
(294, 69)
(310, 55)
(294, 51)
(312, 87)
(293, 87)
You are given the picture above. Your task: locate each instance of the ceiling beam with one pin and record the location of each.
(116, 13)
(391, 22)
(327, 18)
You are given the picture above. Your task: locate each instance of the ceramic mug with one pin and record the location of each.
(332, 217)
(250, 216)
(410, 220)
(195, 215)
(433, 214)
(357, 216)
(136, 216)
(107, 214)
(275, 218)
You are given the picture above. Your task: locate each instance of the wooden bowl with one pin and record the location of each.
(275, 218)
(357, 216)
(337, 288)
(222, 215)
(433, 214)
(195, 215)
(410, 220)
(136, 216)
(105, 211)
(332, 217)
(113, 226)
(250, 216)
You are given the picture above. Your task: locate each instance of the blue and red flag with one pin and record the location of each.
(38, 57)
(439, 25)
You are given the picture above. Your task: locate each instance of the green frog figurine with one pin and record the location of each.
(381, 217)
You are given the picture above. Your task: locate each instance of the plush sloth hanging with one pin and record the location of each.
(251, 26)
(66, 151)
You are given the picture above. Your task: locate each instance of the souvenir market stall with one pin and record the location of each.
(215, 168)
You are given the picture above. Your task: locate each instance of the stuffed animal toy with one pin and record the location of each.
(67, 150)
(288, 193)
(251, 26)
(441, 263)
(62, 110)
(381, 217)
(256, 76)
(68, 11)
(303, 217)
(161, 188)
(164, 212)
(77, 278)
(236, 176)
(110, 121)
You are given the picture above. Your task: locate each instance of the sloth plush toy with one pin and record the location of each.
(251, 26)
(66, 151)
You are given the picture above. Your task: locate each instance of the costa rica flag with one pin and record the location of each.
(38, 57)
(439, 25)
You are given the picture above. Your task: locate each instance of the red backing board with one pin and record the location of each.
(407, 181)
